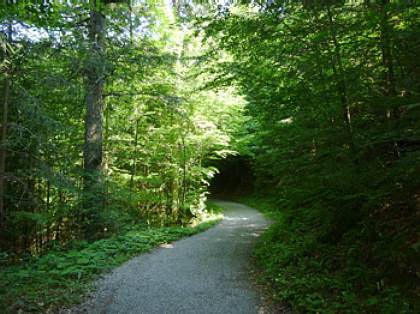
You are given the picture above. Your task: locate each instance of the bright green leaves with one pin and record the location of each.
(159, 126)
(162, 126)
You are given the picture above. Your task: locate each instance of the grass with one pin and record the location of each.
(62, 277)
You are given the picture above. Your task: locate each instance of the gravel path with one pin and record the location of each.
(205, 273)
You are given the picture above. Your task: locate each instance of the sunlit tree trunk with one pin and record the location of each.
(184, 172)
(130, 9)
(177, 5)
(133, 167)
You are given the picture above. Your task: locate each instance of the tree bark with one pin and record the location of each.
(92, 153)
(130, 8)
(4, 134)
(177, 5)
(338, 70)
(133, 167)
(2, 149)
(342, 86)
(388, 63)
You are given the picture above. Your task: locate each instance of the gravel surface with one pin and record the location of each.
(205, 273)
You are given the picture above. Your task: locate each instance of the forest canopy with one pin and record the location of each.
(332, 89)
(104, 120)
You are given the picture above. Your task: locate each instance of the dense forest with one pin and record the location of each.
(117, 115)
(104, 122)
(332, 89)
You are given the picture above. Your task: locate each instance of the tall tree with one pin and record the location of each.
(92, 150)
(8, 66)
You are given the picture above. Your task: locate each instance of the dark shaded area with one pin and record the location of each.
(235, 177)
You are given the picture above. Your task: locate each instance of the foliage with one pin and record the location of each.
(359, 275)
(158, 126)
(332, 88)
(320, 98)
(61, 278)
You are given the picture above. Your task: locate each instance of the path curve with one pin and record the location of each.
(205, 273)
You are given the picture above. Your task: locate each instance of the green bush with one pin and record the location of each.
(353, 275)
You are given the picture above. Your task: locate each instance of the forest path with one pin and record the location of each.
(205, 273)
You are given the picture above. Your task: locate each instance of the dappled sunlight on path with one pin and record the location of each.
(206, 273)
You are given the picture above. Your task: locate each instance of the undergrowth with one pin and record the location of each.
(358, 274)
(63, 276)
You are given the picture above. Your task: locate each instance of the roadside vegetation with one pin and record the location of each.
(353, 276)
(333, 147)
(62, 277)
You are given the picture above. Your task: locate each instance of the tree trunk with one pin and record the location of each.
(130, 9)
(386, 49)
(177, 5)
(92, 153)
(342, 86)
(4, 134)
(106, 171)
(388, 63)
(2, 148)
(133, 167)
(184, 173)
(338, 70)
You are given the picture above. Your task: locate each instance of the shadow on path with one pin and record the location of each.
(205, 273)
